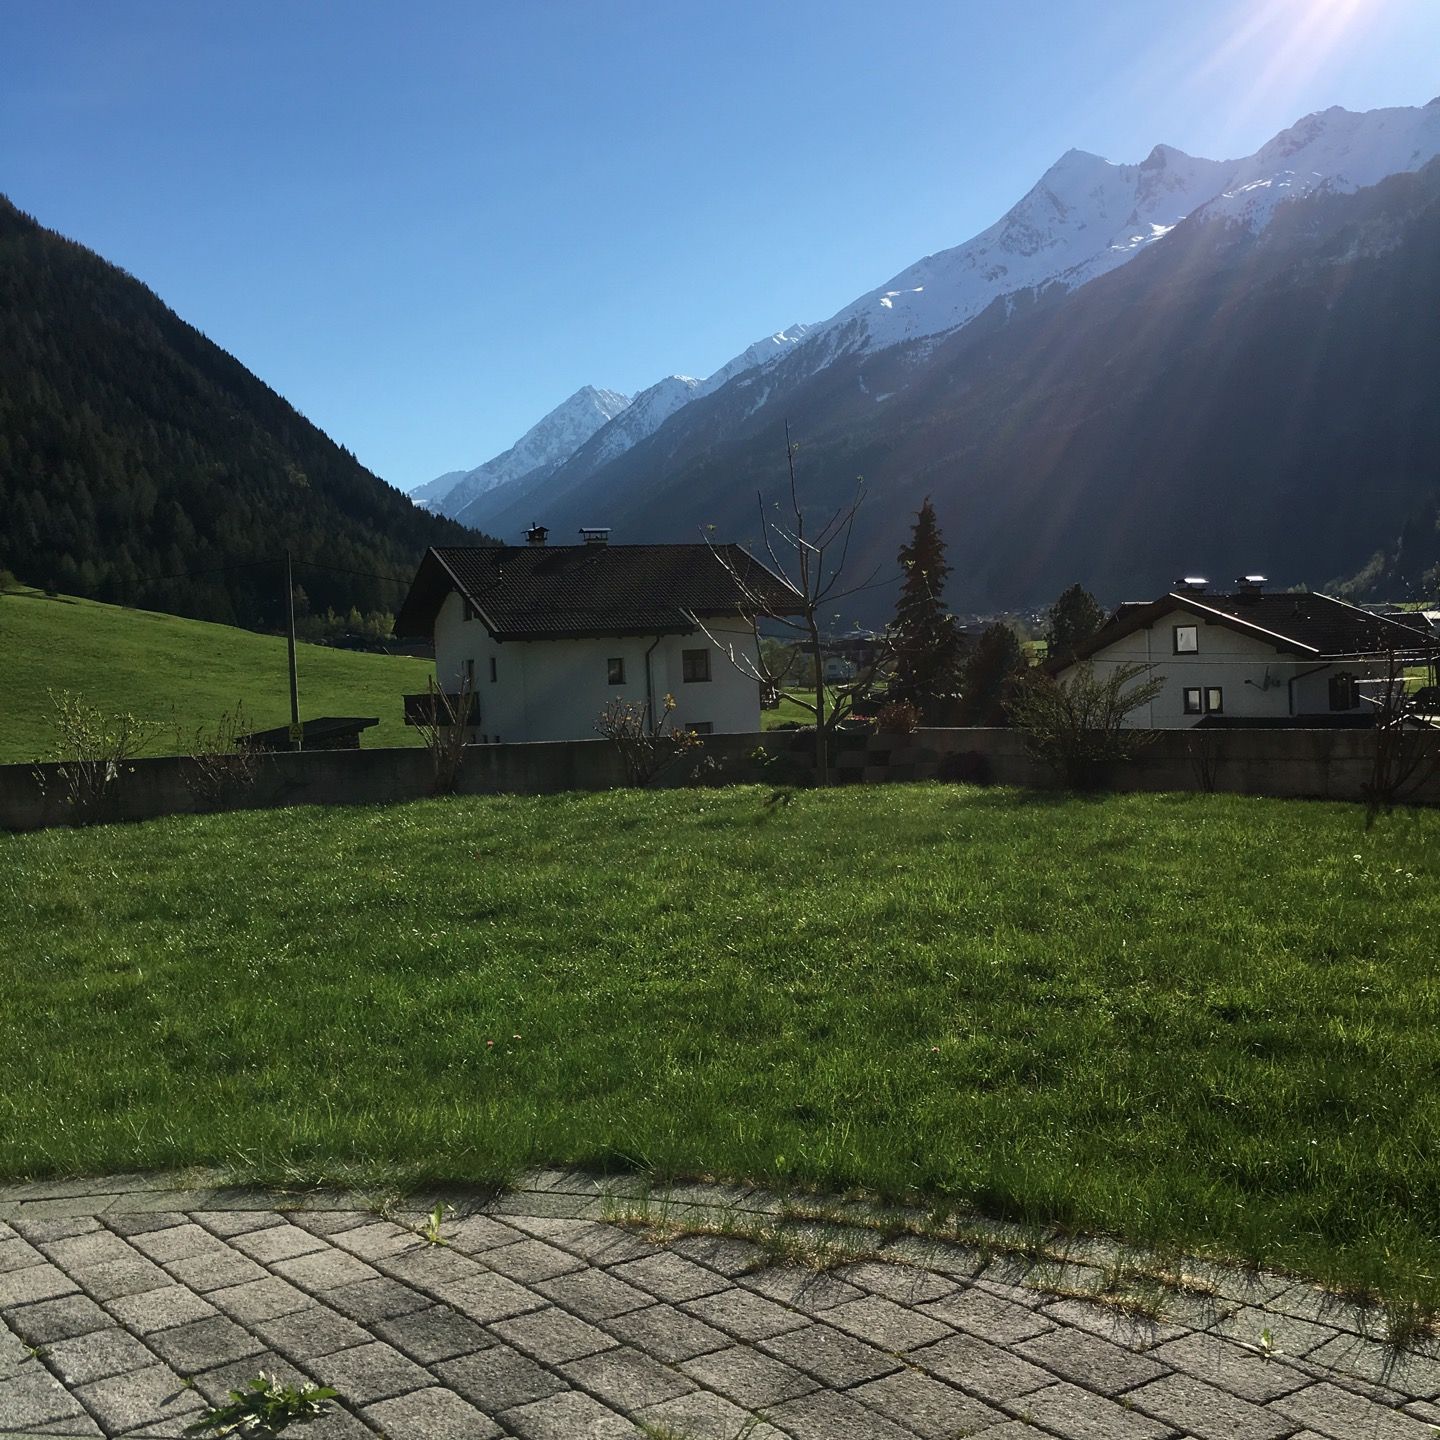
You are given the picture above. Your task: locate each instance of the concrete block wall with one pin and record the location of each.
(1329, 764)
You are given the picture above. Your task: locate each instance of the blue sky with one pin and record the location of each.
(426, 224)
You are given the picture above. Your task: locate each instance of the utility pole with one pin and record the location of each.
(296, 732)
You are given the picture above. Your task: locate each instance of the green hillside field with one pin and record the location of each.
(177, 675)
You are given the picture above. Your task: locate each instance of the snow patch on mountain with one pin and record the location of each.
(544, 448)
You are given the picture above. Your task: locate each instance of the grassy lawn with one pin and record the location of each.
(178, 674)
(1198, 1019)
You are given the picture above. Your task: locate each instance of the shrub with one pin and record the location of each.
(899, 717)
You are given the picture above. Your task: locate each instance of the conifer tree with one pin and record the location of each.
(1073, 619)
(926, 637)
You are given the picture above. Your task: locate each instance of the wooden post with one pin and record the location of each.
(296, 732)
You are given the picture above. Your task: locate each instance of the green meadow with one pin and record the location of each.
(177, 675)
(1204, 1021)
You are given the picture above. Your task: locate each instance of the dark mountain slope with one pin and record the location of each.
(1227, 402)
(132, 449)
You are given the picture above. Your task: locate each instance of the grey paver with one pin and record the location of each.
(831, 1356)
(372, 1300)
(902, 1283)
(1120, 1326)
(531, 1260)
(989, 1315)
(1379, 1364)
(178, 1242)
(148, 1310)
(382, 1238)
(312, 1333)
(203, 1344)
(552, 1335)
(435, 1333)
(139, 1397)
(989, 1371)
(435, 1414)
(34, 1282)
(1079, 1415)
(92, 1248)
(666, 1333)
(749, 1378)
(115, 1278)
(703, 1416)
(499, 1378)
(374, 1371)
(626, 1378)
(1209, 1413)
(725, 1253)
(593, 1294)
(33, 1397)
(825, 1414)
(1223, 1363)
(567, 1416)
(1339, 1415)
(744, 1314)
(1087, 1360)
(492, 1297)
(39, 1226)
(142, 1224)
(17, 1255)
(215, 1385)
(277, 1242)
(886, 1324)
(255, 1300)
(435, 1268)
(1288, 1335)
(324, 1270)
(93, 1357)
(932, 1409)
(477, 1233)
(670, 1277)
(57, 1319)
(808, 1290)
(330, 1222)
(214, 1271)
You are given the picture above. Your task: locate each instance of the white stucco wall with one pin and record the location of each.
(556, 689)
(1254, 678)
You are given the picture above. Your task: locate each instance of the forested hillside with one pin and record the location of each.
(141, 464)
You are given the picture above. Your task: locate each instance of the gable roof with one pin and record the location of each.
(555, 592)
(1301, 623)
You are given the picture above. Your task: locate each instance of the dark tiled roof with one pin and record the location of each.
(1296, 622)
(549, 592)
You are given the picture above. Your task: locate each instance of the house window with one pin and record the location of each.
(694, 666)
(1214, 701)
(470, 611)
(470, 674)
(1187, 639)
(615, 666)
(494, 670)
(1208, 700)
(1344, 691)
(702, 727)
(1194, 701)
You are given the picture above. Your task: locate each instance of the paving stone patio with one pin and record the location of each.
(129, 1304)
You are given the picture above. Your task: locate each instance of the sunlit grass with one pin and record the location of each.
(1185, 1019)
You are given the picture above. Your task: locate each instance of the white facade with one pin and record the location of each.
(1228, 673)
(556, 689)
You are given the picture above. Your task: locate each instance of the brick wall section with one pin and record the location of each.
(1329, 764)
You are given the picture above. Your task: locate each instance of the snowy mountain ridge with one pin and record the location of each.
(1085, 216)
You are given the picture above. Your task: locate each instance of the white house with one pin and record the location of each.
(1251, 657)
(548, 635)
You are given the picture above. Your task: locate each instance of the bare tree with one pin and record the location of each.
(442, 725)
(1406, 752)
(814, 570)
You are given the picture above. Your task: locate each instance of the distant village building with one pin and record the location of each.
(1252, 657)
(546, 636)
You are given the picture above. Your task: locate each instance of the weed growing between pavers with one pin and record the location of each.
(1193, 1021)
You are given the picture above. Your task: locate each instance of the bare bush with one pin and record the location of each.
(644, 749)
(92, 751)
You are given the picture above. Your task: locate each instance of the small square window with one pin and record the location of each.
(1194, 701)
(694, 666)
(615, 667)
(1214, 701)
(702, 727)
(1187, 639)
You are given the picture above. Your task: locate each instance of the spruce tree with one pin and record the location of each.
(927, 640)
(1073, 619)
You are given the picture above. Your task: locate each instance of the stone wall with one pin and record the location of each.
(1331, 764)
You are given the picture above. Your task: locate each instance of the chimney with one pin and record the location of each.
(1192, 584)
(1249, 587)
(595, 534)
(535, 535)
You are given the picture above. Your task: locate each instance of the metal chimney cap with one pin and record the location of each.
(1192, 582)
(536, 535)
(595, 534)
